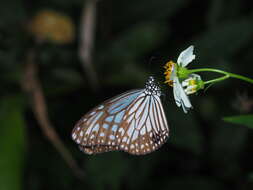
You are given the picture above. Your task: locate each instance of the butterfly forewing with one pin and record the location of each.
(99, 126)
(133, 122)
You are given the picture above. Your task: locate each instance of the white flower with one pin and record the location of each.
(172, 78)
(192, 84)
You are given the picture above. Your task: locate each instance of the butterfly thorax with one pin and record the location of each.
(151, 87)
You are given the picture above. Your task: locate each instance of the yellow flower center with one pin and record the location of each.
(169, 66)
(193, 90)
(192, 82)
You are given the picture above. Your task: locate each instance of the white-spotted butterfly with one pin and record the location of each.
(133, 122)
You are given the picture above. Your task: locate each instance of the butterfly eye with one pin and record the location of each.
(133, 122)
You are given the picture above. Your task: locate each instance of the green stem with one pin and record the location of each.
(217, 79)
(232, 75)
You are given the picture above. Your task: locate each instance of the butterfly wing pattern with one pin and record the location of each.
(133, 122)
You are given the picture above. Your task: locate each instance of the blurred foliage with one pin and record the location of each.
(12, 143)
(134, 39)
(246, 120)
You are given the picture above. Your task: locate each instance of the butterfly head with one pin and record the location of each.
(151, 87)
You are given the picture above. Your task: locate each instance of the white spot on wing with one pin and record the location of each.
(92, 136)
(95, 129)
(130, 118)
(95, 118)
(124, 139)
(130, 129)
(143, 131)
(135, 135)
(88, 130)
(121, 131)
(148, 124)
(92, 113)
(100, 107)
(112, 137)
(102, 134)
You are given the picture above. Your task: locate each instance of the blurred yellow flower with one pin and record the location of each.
(52, 26)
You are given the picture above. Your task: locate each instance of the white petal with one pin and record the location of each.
(184, 108)
(176, 91)
(186, 104)
(180, 96)
(195, 76)
(190, 89)
(173, 74)
(186, 82)
(186, 57)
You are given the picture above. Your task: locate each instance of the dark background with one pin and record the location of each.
(133, 39)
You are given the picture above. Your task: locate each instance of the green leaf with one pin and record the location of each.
(12, 143)
(246, 120)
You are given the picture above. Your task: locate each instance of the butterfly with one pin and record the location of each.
(133, 122)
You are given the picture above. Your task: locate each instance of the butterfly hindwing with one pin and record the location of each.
(144, 133)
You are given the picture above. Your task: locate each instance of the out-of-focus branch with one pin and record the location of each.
(31, 85)
(87, 31)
